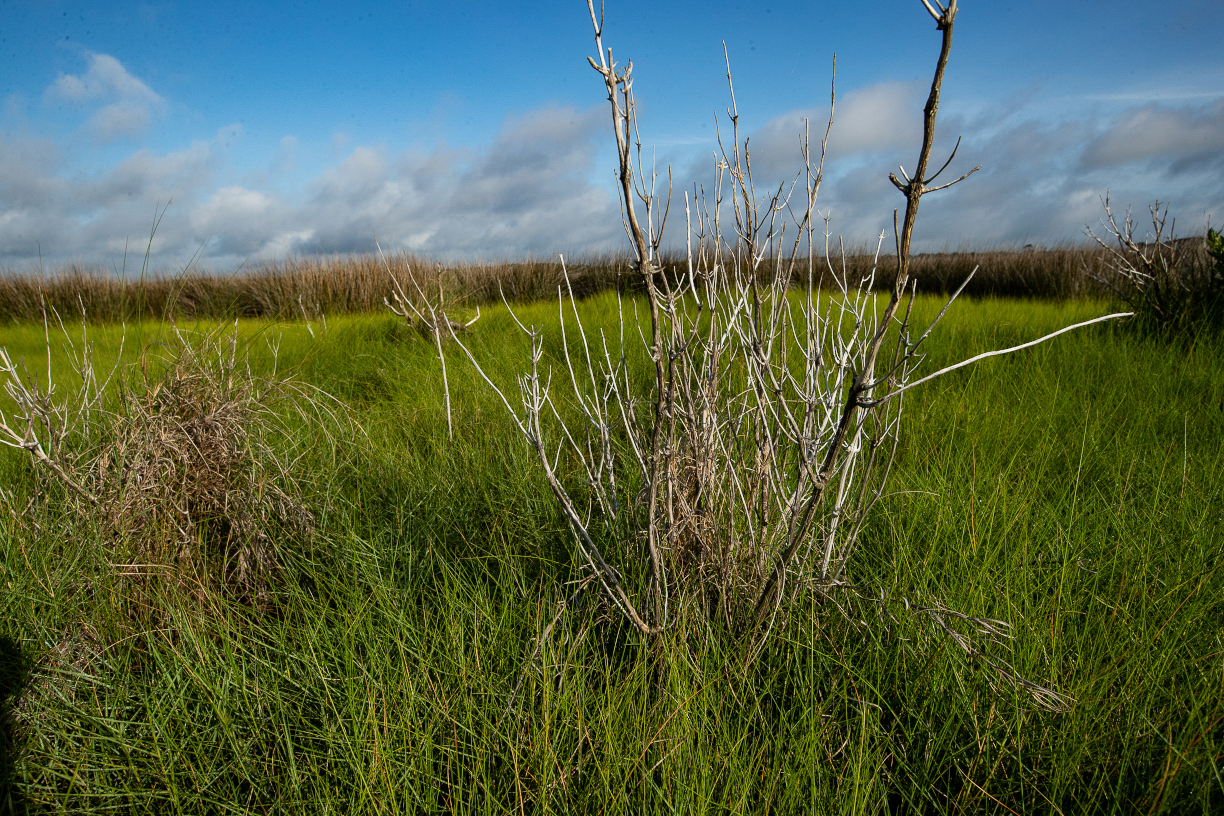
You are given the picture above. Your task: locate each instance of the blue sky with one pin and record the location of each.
(478, 130)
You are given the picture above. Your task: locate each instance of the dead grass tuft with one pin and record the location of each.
(186, 471)
(188, 479)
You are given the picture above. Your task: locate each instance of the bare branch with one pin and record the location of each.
(950, 183)
(986, 354)
(936, 14)
(945, 164)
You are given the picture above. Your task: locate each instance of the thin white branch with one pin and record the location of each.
(997, 353)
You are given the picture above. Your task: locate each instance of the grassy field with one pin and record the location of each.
(1073, 490)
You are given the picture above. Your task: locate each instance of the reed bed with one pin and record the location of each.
(309, 287)
(314, 286)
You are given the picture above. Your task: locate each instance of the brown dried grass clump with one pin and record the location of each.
(187, 474)
(188, 479)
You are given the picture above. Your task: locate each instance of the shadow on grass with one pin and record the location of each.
(14, 674)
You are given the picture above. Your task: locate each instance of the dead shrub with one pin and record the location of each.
(744, 473)
(193, 481)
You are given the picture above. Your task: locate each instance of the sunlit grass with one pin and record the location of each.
(1072, 490)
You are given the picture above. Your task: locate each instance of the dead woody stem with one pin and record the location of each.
(749, 469)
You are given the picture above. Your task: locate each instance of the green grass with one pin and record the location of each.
(1072, 490)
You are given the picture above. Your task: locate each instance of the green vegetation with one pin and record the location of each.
(1174, 286)
(1215, 248)
(425, 650)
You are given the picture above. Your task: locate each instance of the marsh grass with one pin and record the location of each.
(383, 682)
(302, 287)
(314, 287)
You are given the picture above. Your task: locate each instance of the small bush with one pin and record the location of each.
(189, 477)
(1173, 285)
(1215, 248)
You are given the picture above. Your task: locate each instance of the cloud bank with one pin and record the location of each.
(1041, 179)
(537, 188)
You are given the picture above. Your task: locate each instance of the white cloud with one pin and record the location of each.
(90, 217)
(528, 192)
(242, 221)
(881, 117)
(119, 119)
(867, 121)
(531, 191)
(1041, 179)
(128, 102)
(106, 77)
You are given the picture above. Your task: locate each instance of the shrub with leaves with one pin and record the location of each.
(1169, 282)
(1215, 248)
